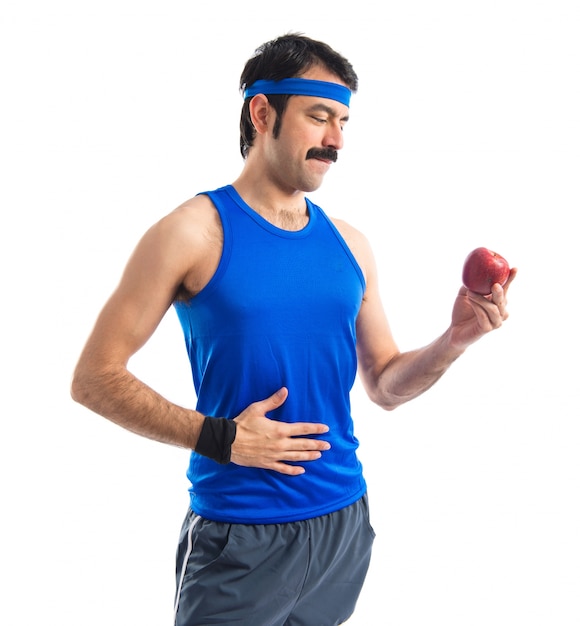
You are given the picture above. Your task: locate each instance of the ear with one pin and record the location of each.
(261, 113)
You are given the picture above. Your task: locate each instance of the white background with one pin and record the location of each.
(465, 132)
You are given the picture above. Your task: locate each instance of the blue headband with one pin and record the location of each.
(300, 87)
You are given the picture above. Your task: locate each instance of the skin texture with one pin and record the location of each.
(178, 256)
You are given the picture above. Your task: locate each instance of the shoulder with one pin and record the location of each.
(191, 237)
(186, 230)
(182, 248)
(196, 216)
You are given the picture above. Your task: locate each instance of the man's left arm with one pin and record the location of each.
(391, 377)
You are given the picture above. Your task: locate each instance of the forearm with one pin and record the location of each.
(119, 396)
(410, 374)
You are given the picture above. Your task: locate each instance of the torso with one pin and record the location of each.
(281, 311)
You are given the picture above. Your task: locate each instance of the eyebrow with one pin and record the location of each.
(319, 106)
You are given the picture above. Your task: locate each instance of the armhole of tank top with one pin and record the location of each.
(226, 245)
(340, 239)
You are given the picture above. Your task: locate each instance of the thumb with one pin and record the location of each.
(275, 400)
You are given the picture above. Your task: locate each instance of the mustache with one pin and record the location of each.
(328, 154)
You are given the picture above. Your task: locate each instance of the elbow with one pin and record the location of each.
(386, 401)
(77, 389)
(390, 406)
(80, 387)
(379, 384)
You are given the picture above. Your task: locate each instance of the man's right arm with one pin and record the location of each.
(102, 381)
(170, 253)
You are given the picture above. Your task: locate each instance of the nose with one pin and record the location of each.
(333, 137)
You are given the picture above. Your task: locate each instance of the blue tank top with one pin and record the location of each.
(280, 310)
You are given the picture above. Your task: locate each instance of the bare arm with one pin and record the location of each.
(181, 252)
(391, 377)
(102, 381)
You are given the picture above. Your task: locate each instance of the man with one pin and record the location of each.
(279, 306)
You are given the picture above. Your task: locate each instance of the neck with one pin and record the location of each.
(284, 208)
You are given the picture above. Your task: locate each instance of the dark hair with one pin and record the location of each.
(287, 56)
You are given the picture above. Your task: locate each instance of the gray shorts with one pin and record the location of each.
(307, 573)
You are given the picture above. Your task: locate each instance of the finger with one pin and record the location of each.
(497, 295)
(274, 401)
(293, 470)
(305, 443)
(289, 470)
(298, 429)
(499, 298)
(300, 456)
(487, 313)
(513, 274)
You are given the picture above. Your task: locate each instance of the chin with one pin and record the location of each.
(308, 186)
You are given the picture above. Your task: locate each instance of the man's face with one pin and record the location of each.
(311, 134)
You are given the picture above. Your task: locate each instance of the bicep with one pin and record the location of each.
(376, 346)
(144, 294)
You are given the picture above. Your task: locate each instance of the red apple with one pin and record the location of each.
(482, 269)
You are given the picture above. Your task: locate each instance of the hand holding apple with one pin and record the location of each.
(482, 269)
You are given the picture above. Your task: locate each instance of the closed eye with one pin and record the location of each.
(330, 113)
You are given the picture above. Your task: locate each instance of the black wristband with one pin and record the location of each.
(216, 438)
